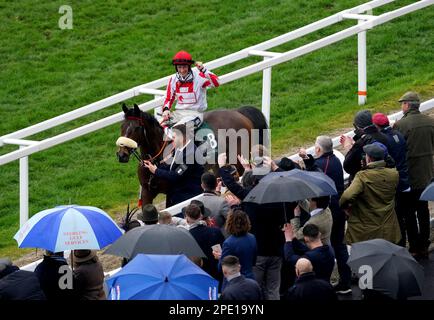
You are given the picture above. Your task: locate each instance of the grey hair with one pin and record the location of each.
(325, 143)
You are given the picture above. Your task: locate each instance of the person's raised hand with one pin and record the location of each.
(244, 162)
(347, 142)
(288, 230)
(200, 66)
(297, 211)
(221, 160)
(232, 200)
(302, 153)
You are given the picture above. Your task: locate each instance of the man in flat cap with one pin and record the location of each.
(418, 130)
(398, 151)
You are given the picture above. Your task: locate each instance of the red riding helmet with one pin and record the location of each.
(182, 58)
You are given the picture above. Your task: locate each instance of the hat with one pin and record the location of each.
(5, 262)
(149, 213)
(204, 210)
(363, 119)
(286, 164)
(380, 119)
(410, 96)
(6, 267)
(376, 150)
(84, 255)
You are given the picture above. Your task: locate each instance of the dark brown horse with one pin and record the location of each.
(144, 129)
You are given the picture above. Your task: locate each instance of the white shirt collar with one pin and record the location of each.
(316, 211)
(236, 275)
(185, 146)
(177, 151)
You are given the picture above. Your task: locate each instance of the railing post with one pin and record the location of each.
(361, 56)
(266, 93)
(24, 189)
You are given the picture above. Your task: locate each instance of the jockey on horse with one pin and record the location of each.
(188, 87)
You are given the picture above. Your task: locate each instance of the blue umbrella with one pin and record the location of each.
(68, 228)
(162, 277)
(428, 193)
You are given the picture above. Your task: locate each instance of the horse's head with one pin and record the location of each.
(139, 129)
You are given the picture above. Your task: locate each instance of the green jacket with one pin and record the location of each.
(372, 196)
(418, 130)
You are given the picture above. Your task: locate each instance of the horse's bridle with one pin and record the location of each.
(142, 125)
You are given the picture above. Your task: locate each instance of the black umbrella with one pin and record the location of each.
(291, 186)
(395, 272)
(156, 239)
(428, 193)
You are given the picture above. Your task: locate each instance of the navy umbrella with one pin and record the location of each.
(291, 186)
(395, 273)
(155, 239)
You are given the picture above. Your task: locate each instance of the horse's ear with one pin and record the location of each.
(124, 108)
(136, 108)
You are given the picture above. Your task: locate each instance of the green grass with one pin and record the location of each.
(115, 45)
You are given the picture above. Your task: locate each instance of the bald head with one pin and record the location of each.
(302, 266)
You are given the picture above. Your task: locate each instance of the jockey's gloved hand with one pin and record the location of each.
(200, 66)
(166, 114)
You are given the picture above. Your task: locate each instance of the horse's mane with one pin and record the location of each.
(146, 117)
(149, 118)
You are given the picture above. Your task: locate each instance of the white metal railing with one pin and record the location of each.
(365, 22)
(427, 105)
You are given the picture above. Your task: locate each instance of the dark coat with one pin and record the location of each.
(183, 176)
(332, 167)
(322, 258)
(353, 158)
(308, 288)
(418, 130)
(89, 281)
(206, 237)
(21, 285)
(266, 220)
(244, 248)
(398, 150)
(48, 274)
(241, 288)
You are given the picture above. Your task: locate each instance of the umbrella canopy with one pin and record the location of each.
(395, 272)
(68, 228)
(291, 186)
(156, 239)
(428, 193)
(162, 277)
